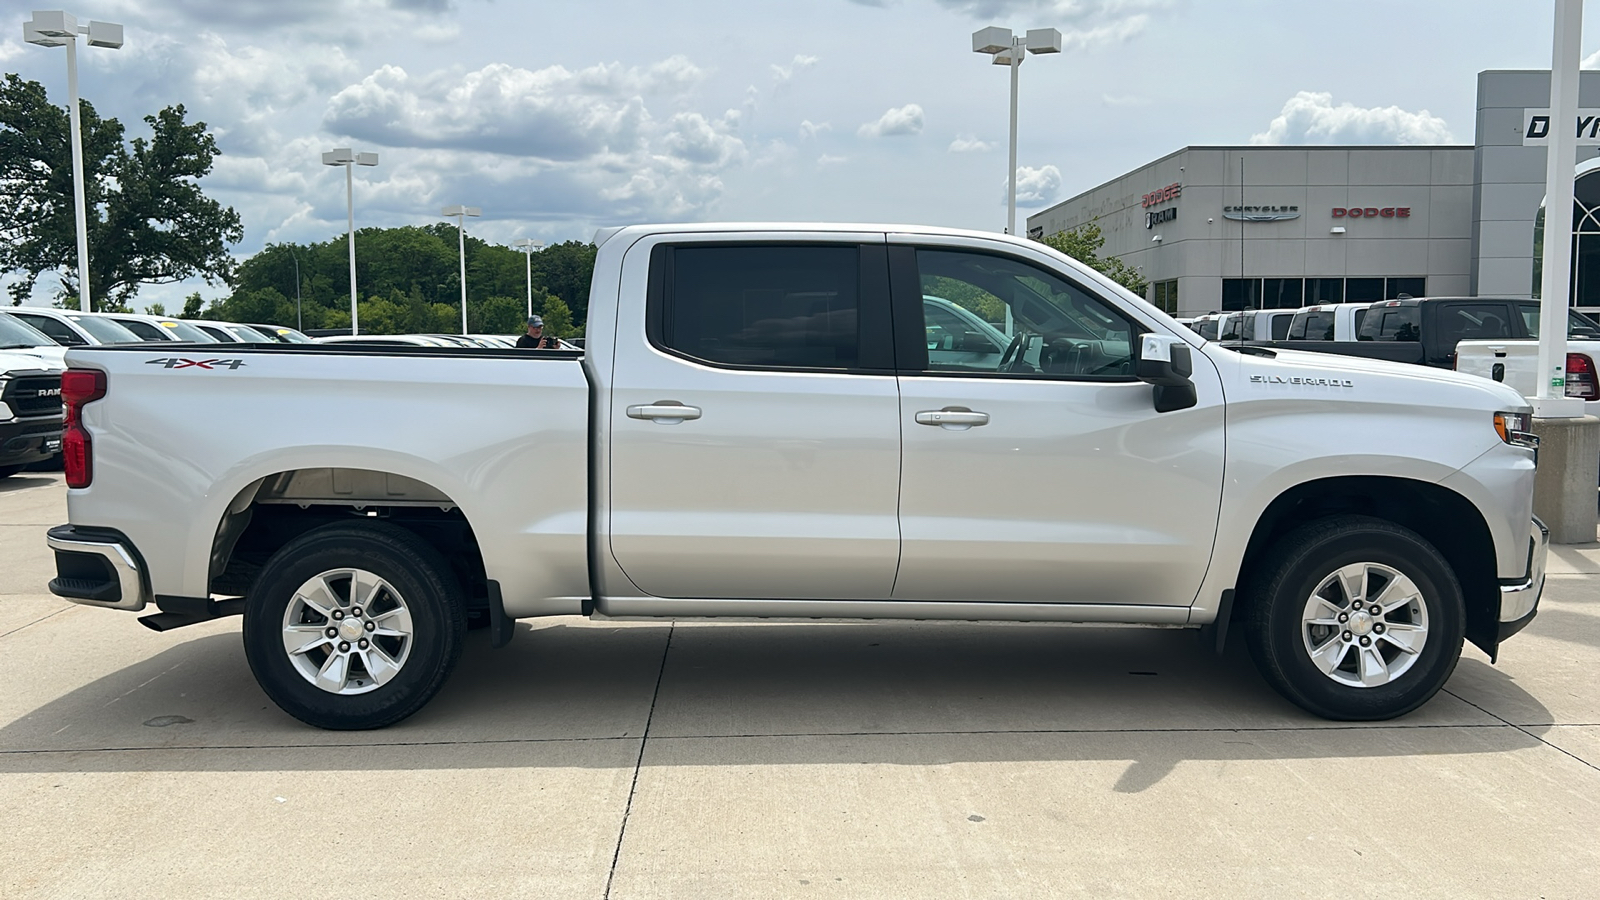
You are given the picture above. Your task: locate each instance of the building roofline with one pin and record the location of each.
(1267, 147)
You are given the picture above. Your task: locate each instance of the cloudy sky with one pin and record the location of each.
(557, 118)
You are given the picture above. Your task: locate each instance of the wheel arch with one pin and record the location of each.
(1443, 517)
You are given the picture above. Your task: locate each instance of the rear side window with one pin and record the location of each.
(1231, 327)
(1312, 326)
(1470, 321)
(144, 330)
(54, 329)
(764, 306)
(1280, 327)
(1397, 323)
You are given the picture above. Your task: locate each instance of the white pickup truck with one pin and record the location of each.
(1515, 363)
(792, 421)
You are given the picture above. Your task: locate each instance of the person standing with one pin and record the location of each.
(536, 339)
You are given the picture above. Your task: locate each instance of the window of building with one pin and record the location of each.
(789, 307)
(1241, 293)
(1324, 290)
(1363, 290)
(1164, 294)
(1415, 287)
(1282, 293)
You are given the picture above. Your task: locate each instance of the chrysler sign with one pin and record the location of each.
(1260, 213)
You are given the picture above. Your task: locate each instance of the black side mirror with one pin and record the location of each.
(1164, 361)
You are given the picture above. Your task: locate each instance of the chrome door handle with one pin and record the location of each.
(667, 412)
(952, 416)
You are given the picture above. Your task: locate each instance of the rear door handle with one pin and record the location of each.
(667, 412)
(952, 417)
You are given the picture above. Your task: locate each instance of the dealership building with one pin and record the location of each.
(1224, 228)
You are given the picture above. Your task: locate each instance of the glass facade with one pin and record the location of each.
(1293, 293)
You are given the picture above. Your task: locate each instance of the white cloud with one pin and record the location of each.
(783, 74)
(966, 143)
(810, 129)
(1083, 23)
(1310, 117)
(1592, 61)
(9, 49)
(905, 120)
(1127, 100)
(826, 160)
(1036, 187)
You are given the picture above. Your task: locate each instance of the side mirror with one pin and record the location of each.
(1164, 361)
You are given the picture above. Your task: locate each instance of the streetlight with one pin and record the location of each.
(529, 245)
(54, 28)
(1009, 50)
(299, 320)
(461, 213)
(344, 156)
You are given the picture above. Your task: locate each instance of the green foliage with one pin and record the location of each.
(961, 293)
(156, 309)
(410, 282)
(1083, 244)
(148, 221)
(191, 306)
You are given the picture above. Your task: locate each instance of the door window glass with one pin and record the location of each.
(1037, 323)
(1578, 325)
(1232, 326)
(1471, 321)
(1280, 327)
(1391, 324)
(144, 330)
(55, 329)
(767, 306)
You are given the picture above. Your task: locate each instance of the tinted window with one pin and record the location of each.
(55, 329)
(790, 307)
(1044, 324)
(218, 333)
(1470, 321)
(1363, 290)
(1312, 326)
(1411, 287)
(1398, 323)
(1578, 325)
(1233, 326)
(144, 330)
(1280, 327)
(1360, 316)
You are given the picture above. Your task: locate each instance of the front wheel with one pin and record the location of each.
(1356, 618)
(354, 626)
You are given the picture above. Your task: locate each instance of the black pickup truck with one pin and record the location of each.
(1425, 330)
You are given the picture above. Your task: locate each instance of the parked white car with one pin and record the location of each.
(160, 328)
(74, 329)
(760, 429)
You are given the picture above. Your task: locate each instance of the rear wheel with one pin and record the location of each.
(1356, 618)
(353, 626)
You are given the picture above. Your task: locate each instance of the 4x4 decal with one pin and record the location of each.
(176, 362)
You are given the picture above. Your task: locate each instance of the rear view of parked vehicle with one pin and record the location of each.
(30, 411)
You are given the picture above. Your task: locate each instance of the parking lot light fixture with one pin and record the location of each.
(54, 28)
(1009, 50)
(460, 213)
(528, 245)
(344, 156)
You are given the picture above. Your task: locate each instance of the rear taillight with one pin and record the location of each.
(79, 386)
(1581, 381)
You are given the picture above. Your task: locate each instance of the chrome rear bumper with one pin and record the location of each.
(97, 569)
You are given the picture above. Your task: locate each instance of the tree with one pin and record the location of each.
(1083, 244)
(192, 306)
(148, 220)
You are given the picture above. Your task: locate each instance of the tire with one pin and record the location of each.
(1356, 668)
(8, 471)
(350, 671)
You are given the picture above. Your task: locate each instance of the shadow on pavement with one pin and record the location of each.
(895, 693)
(20, 482)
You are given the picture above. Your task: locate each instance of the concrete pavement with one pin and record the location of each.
(594, 759)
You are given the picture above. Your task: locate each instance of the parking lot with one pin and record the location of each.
(877, 759)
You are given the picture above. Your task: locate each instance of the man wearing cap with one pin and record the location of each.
(535, 339)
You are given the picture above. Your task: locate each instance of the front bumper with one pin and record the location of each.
(97, 567)
(1519, 601)
(24, 441)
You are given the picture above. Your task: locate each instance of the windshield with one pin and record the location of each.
(104, 330)
(186, 332)
(16, 334)
(282, 334)
(249, 335)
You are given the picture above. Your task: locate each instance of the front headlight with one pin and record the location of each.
(1516, 429)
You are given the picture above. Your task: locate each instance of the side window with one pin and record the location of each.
(54, 329)
(763, 305)
(1232, 327)
(1470, 321)
(1361, 316)
(1024, 320)
(1297, 326)
(1280, 327)
(144, 330)
(1397, 324)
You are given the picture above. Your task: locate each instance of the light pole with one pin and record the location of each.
(460, 213)
(299, 320)
(529, 245)
(344, 156)
(1009, 50)
(54, 28)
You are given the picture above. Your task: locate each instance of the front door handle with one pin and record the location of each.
(955, 417)
(667, 412)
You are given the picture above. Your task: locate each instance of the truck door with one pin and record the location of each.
(754, 418)
(1043, 473)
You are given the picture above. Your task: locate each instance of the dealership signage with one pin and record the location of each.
(1156, 217)
(1166, 194)
(1372, 212)
(1260, 213)
(1536, 127)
